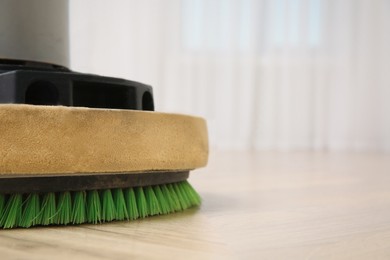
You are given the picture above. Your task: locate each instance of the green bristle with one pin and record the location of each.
(48, 209)
(152, 202)
(94, 207)
(2, 204)
(12, 212)
(108, 208)
(184, 202)
(191, 193)
(120, 205)
(64, 208)
(141, 202)
(32, 211)
(78, 211)
(131, 203)
(164, 205)
(183, 190)
(168, 198)
(175, 198)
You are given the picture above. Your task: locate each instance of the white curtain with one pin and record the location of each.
(276, 74)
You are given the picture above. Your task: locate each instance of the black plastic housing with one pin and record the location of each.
(23, 82)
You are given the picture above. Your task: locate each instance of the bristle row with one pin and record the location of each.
(95, 206)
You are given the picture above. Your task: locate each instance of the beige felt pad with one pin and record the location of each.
(55, 139)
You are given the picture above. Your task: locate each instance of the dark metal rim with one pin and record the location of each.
(10, 185)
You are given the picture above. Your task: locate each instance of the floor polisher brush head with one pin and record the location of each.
(81, 148)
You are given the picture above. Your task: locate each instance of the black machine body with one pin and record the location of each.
(36, 83)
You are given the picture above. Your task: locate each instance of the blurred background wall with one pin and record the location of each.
(266, 74)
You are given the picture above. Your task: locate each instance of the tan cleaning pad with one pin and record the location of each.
(47, 140)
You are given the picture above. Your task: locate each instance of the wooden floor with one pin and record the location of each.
(256, 206)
